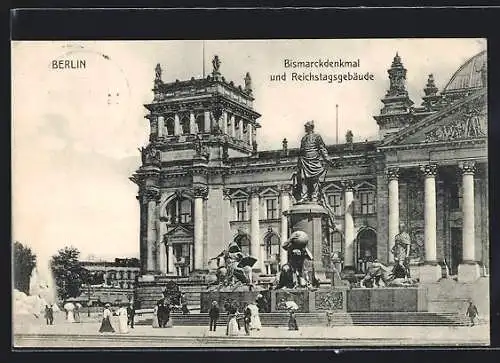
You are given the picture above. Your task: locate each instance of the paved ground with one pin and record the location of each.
(30, 332)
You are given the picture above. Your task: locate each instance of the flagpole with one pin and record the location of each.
(203, 59)
(337, 123)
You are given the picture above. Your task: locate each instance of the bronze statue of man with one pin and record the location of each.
(310, 167)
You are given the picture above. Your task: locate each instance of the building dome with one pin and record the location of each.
(469, 75)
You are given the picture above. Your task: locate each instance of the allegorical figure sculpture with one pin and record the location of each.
(310, 167)
(401, 253)
(298, 253)
(237, 268)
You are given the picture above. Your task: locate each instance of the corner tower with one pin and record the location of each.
(196, 127)
(397, 110)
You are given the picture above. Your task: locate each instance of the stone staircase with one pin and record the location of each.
(322, 319)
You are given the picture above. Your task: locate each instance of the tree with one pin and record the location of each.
(68, 272)
(24, 263)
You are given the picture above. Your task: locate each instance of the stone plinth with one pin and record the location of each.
(430, 273)
(387, 299)
(239, 298)
(311, 218)
(468, 272)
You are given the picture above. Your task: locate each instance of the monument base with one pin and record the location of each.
(240, 299)
(430, 273)
(468, 272)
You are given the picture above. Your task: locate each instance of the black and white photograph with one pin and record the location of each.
(250, 193)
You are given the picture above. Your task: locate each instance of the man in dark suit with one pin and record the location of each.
(131, 314)
(213, 313)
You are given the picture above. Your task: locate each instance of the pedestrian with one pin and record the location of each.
(261, 303)
(213, 314)
(169, 323)
(232, 324)
(77, 312)
(49, 314)
(162, 312)
(184, 304)
(131, 314)
(472, 312)
(155, 323)
(106, 326)
(247, 320)
(122, 320)
(255, 323)
(292, 321)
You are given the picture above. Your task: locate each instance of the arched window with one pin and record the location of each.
(179, 211)
(272, 246)
(169, 124)
(200, 123)
(242, 239)
(367, 247)
(185, 126)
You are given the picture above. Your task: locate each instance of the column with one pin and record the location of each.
(233, 128)
(431, 271)
(254, 227)
(468, 270)
(348, 224)
(162, 249)
(392, 176)
(240, 136)
(150, 199)
(161, 126)
(177, 125)
(171, 260)
(192, 123)
(224, 122)
(285, 205)
(250, 133)
(207, 121)
(199, 194)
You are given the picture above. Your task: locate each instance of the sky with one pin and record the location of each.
(76, 131)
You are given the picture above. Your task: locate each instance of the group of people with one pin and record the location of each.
(161, 314)
(126, 314)
(250, 318)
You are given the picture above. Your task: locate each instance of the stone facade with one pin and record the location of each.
(204, 181)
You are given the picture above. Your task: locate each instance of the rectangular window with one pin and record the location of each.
(185, 211)
(367, 202)
(241, 210)
(271, 209)
(334, 201)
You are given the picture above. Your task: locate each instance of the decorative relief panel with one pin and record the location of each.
(329, 300)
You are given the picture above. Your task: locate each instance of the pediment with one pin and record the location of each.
(269, 193)
(464, 120)
(239, 194)
(179, 233)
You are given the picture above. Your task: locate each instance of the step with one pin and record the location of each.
(320, 319)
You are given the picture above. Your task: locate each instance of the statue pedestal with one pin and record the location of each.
(312, 218)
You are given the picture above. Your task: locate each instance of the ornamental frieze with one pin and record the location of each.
(468, 125)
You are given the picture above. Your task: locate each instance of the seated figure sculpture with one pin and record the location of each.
(237, 268)
(379, 275)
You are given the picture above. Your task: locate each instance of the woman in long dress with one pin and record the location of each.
(232, 324)
(106, 326)
(155, 317)
(255, 323)
(122, 320)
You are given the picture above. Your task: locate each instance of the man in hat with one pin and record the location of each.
(310, 167)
